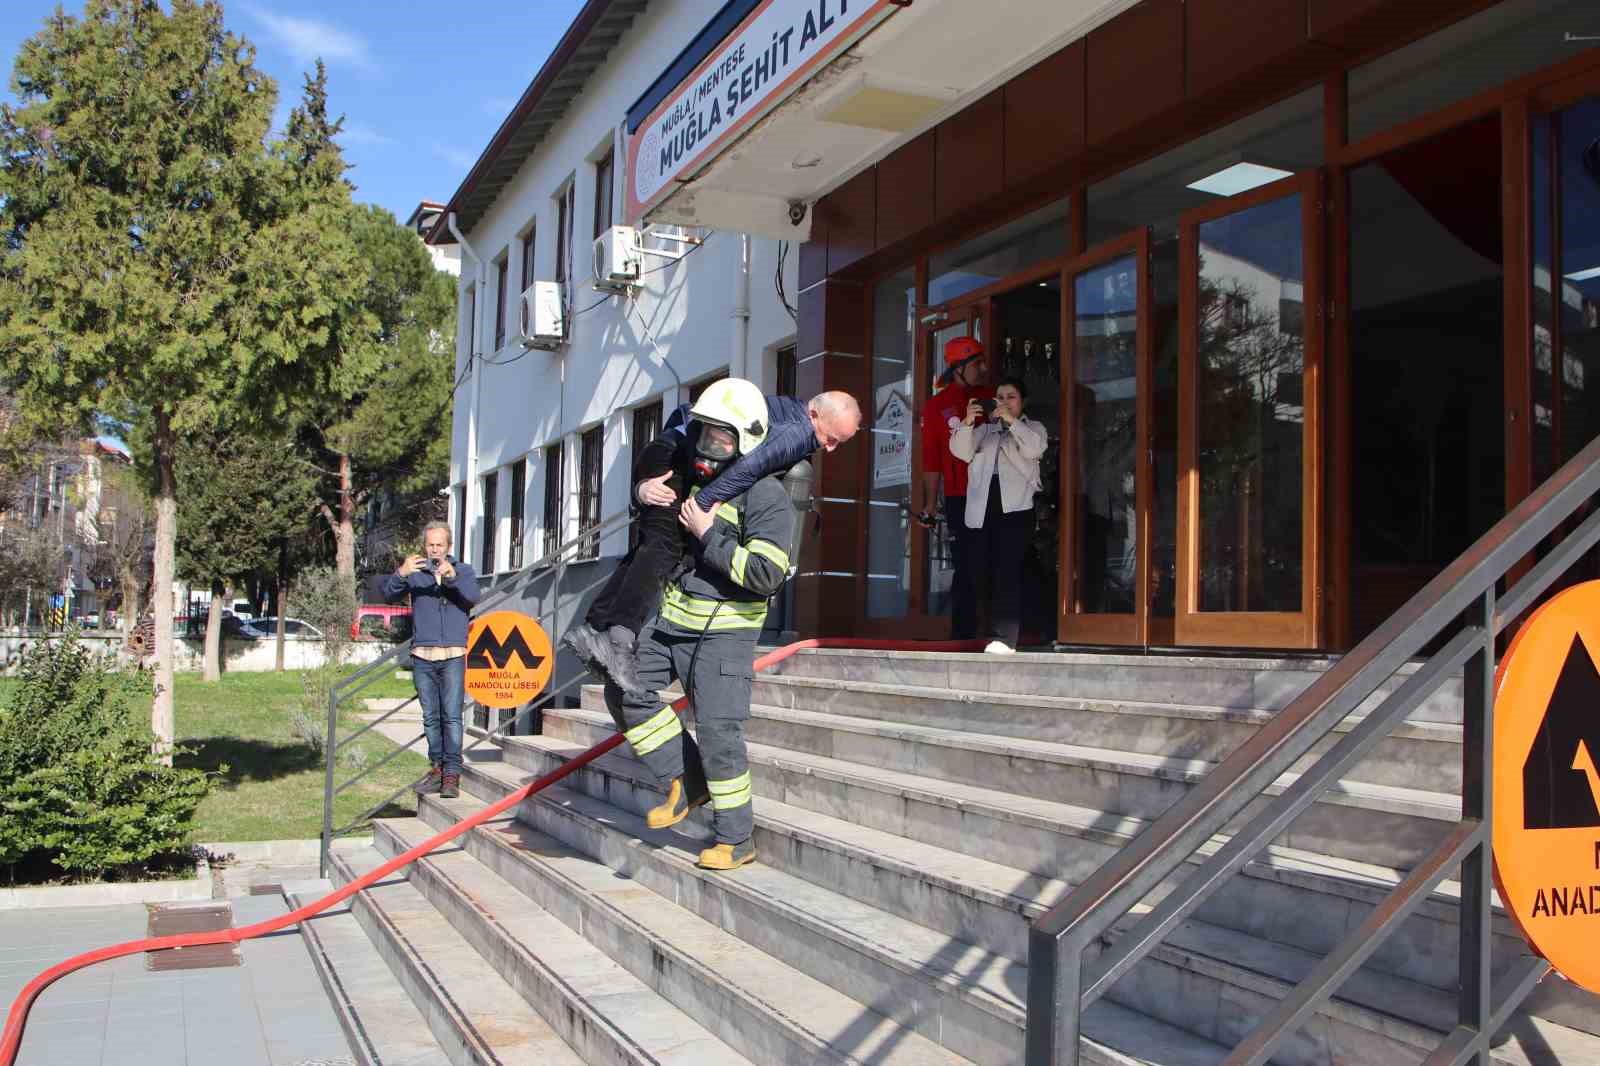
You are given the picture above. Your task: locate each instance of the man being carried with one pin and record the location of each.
(722, 446)
(705, 636)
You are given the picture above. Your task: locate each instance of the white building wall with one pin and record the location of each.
(529, 399)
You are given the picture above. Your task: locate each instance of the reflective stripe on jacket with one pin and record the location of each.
(742, 560)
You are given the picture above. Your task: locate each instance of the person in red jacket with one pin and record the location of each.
(965, 372)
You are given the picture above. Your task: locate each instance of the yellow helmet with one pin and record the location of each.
(737, 404)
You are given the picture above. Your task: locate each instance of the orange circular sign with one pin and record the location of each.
(509, 659)
(1547, 782)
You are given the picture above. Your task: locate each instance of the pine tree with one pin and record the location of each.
(161, 265)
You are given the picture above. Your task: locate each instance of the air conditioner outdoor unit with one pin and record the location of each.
(543, 316)
(616, 259)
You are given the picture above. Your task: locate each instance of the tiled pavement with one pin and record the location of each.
(269, 1011)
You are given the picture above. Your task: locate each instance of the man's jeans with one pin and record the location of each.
(440, 690)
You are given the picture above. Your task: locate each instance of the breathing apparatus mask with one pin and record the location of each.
(715, 446)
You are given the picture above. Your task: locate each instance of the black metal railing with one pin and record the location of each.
(1460, 607)
(552, 565)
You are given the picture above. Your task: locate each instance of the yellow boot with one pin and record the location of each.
(728, 856)
(675, 809)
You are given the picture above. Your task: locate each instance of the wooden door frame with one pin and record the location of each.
(1074, 627)
(1268, 629)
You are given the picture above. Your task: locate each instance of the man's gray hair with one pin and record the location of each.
(431, 526)
(835, 404)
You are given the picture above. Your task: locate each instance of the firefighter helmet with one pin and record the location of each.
(737, 404)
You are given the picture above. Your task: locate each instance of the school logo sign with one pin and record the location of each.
(1547, 785)
(509, 659)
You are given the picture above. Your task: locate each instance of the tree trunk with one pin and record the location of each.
(211, 664)
(162, 720)
(283, 600)
(130, 603)
(345, 533)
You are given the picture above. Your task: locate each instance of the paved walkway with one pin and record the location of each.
(270, 1010)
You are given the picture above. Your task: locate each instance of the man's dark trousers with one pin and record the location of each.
(963, 585)
(633, 594)
(441, 687)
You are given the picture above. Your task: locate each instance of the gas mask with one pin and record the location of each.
(714, 447)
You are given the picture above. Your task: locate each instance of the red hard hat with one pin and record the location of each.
(960, 349)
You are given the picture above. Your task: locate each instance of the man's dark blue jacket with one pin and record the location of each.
(438, 611)
(790, 438)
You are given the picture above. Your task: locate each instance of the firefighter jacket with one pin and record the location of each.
(741, 561)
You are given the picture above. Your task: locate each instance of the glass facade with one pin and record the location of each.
(892, 424)
(1017, 245)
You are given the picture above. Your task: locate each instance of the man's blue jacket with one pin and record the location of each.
(438, 611)
(790, 438)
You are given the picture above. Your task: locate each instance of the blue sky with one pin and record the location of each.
(423, 86)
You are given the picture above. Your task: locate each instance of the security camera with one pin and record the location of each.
(797, 212)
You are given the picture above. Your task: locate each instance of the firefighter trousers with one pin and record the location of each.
(713, 761)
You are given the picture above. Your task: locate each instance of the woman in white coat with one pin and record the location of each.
(1002, 453)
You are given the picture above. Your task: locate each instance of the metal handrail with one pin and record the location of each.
(557, 560)
(1061, 983)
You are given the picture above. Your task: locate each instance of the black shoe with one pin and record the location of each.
(584, 642)
(623, 661)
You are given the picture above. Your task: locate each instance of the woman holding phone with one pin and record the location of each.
(1002, 448)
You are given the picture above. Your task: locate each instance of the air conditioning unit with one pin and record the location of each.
(616, 259)
(543, 316)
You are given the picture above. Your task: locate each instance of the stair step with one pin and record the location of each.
(752, 1001)
(477, 1017)
(1301, 898)
(1414, 751)
(1218, 681)
(990, 906)
(946, 989)
(379, 1020)
(611, 1017)
(1392, 826)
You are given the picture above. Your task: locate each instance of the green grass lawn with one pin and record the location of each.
(273, 786)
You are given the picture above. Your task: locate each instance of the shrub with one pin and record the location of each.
(82, 791)
(328, 602)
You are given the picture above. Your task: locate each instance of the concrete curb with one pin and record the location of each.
(276, 852)
(108, 895)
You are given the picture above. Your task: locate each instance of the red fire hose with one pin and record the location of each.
(17, 1018)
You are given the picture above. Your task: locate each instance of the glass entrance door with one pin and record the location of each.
(1106, 470)
(1251, 348)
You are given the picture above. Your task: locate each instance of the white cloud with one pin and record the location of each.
(456, 157)
(308, 39)
(356, 133)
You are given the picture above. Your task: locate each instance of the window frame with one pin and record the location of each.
(554, 458)
(646, 427)
(502, 276)
(591, 476)
(489, 507)
(604, 194)
(565, 203)
(519, 489)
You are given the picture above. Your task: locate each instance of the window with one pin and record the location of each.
(519, 487)
(646, 428)
(700, 386)
(552, 498)
(602, 194)
(500, 269)
(788, 370)
(527, 257)
(590, 455)
(491, 491)
(461, 517)
(564, 231)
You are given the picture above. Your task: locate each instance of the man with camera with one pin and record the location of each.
(963, 377)
(443, 591)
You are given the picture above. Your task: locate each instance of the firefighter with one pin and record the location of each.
(705, 636)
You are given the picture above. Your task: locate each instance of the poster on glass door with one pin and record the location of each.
(891, 438)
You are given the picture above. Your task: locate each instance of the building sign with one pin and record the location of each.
(771, 52)
(891, 439)
(509, 660)
(1547, 783)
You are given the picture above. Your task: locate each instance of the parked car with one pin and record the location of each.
(381, 621)
(293, 628)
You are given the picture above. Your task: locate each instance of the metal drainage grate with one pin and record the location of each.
(270, 889)
(168, 919)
